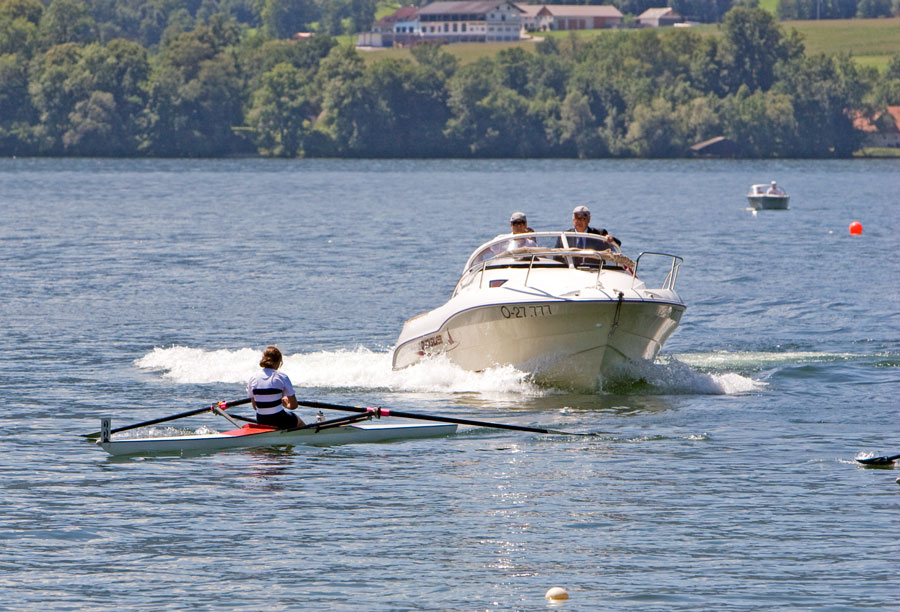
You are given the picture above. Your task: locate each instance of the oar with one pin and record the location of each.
(879, 460)
(223, 405)
(220, 410)
(380, 412)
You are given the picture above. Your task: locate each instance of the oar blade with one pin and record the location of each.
(222, 405)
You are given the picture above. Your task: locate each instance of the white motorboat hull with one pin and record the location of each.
(569, 343)
(251, 436)
(758, 202)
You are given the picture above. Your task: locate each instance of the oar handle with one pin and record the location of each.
(222, 405)
(380, 412)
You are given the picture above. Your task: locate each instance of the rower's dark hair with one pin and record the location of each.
(271, 358)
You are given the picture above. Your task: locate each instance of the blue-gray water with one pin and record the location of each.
(726, 479)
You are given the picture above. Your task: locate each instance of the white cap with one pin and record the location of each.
(517, 216)
(581, 211)
(773, 182)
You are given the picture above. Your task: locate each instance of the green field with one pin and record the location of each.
(769, 5)
(871, 42)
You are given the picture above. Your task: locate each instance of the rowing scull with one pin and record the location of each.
(252, 435)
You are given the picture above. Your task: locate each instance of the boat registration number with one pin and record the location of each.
(430, 345)
(523, 312)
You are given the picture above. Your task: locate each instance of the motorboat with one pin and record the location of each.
(764, 197)
(565, 307)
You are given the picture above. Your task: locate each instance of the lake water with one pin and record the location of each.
(725, 480)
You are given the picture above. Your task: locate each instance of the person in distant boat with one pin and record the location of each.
(775, 190)
(271, 392)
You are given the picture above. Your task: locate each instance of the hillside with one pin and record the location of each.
(871, 42)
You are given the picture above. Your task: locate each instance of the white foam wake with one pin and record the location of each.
(356, 369)
(756, 359)
(367, 370)
(674, 376)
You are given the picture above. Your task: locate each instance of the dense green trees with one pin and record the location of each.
(836, 9)
(67, 21)
(217, 88)
(196, 94)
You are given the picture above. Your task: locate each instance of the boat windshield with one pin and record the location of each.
(550, 247)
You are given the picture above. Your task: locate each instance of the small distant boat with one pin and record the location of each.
(767, 196)
(253, 435)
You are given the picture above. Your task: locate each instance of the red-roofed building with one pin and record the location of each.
(883, 130)
(400, 28)
(403, 20)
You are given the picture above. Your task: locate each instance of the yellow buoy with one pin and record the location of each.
(557, 594)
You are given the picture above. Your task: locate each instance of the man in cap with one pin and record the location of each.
(774, 190)
(581, 219)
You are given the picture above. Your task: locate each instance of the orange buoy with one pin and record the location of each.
(855, 228)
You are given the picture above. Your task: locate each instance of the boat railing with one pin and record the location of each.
(562, 257)
(552, 245)
(552, 249)
(672, 275)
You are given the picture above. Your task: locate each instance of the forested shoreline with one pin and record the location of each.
(224, 89)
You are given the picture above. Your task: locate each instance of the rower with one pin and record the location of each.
(271, 392)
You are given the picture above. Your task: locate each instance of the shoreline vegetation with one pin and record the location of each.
(221, 89)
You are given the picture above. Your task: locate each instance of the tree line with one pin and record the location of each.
(225, 89)
(837, 9)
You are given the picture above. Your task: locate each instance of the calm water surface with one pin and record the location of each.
(724, 479)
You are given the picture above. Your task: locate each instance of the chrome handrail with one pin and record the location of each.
(671, 276)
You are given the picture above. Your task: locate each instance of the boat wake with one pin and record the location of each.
(757, 360)
(343, 369)
(363, 369)
(670, 375)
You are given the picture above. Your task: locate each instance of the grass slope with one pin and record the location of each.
(871, 42)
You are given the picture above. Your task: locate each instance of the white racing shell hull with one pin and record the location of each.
(566, 326)
(252, 437)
